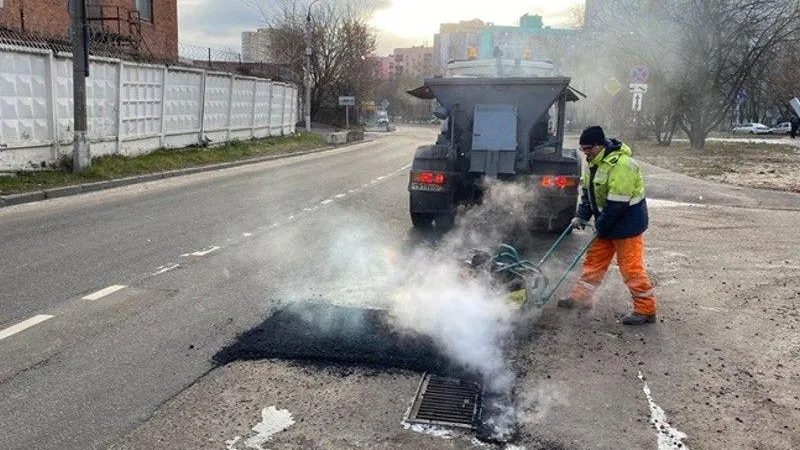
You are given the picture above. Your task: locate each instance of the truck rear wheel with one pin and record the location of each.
(422, 220)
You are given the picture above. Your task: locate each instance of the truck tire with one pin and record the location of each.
(422, 220)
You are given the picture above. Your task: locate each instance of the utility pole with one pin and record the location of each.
(81, 157)
(309, 38)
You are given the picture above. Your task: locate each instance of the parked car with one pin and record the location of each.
(781, 128)
(751, 128)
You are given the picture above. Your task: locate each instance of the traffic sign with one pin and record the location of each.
(638, 87)
(347, 101)
(385, 104)
(640, 74)
(637, 101)
(613, 87)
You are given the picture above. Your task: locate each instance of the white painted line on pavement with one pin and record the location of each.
(203, 252)
(668, 438)
(167, 268)
(341, 196)
(103, 292)
(247, 234)
(711, 308)
(24, 325)
(325, 202)
(273, 421)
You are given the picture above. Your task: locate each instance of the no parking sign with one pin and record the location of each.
(640, 74)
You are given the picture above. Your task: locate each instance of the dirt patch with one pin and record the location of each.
(759, 165)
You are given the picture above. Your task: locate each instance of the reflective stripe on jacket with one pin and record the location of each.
(613, 192)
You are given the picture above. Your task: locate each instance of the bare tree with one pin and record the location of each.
(704, 52)
(342, 42)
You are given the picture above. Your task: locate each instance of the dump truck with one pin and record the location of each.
(508, 128)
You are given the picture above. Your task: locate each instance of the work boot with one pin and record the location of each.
(570, 303)
(637, 319)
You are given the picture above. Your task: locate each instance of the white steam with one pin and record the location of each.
(468, 316)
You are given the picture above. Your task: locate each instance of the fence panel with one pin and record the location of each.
(262, 110)
(276, 120)
(131, 108)
(242, 108)
(183, 108)
(24, 100)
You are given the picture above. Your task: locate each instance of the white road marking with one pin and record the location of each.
(103, 292)
(273, 421)
(24, 325)
(247, 234)
(203, 252)
(668, 438)
(325, 202)
(710, 308)
(341, 196)
(167, 268)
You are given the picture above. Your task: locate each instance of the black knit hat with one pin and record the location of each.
(593, 135)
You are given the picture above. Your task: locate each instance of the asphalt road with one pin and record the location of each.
(202, 258)
(206, 257)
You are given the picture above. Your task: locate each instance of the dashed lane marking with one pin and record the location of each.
(167, 268)
(24, 325)
(104, 292)
(203, 252)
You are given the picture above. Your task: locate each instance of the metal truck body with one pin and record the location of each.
(505, 128)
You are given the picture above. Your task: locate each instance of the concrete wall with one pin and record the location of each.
(132, 108)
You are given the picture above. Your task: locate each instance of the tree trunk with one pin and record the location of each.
(697, 138)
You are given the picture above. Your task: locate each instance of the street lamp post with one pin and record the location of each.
(308, 66)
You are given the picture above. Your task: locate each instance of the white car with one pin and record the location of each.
(781, 128)
(751, 128)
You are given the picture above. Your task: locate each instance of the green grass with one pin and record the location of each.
(111, 167)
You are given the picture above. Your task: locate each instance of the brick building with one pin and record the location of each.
(147, 28)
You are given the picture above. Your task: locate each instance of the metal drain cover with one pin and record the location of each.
(445, 401)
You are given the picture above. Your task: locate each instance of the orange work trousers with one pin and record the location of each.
(630, 257)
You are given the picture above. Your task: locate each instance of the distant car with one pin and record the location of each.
(781, 128)
(751, 128)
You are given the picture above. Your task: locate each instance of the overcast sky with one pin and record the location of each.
(400, 23)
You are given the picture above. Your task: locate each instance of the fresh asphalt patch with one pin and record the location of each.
(327, 333)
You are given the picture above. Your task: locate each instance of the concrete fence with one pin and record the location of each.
(132, 108)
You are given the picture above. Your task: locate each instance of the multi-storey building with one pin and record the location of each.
(257, 46)
(413, 62)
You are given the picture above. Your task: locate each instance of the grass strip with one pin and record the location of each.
(161, 160)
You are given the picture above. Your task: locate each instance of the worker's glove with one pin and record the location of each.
(578, 223)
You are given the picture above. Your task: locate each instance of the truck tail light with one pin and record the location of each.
(428, 178)
(559, 181)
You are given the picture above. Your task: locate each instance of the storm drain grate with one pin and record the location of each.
(445, 401)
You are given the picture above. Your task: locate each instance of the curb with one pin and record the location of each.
(66, 191)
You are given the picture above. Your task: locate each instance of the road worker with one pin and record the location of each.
(613, 193)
